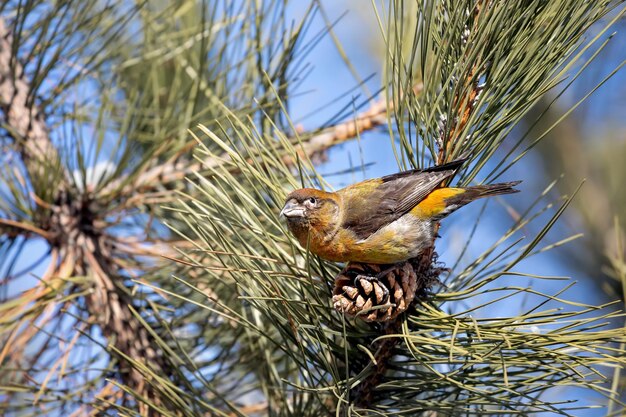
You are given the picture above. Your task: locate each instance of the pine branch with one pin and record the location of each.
(21, 117)
(363, 395)
(110, 307)
(316, 143)
(246, 324)
(449, 144)
(446, 362)
(466, 96)
(80, 247)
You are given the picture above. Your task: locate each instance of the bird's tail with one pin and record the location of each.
(444, 201)
(480, 191)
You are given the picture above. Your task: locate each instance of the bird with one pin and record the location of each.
(384, 220)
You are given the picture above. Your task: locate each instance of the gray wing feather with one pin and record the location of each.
(395, 195)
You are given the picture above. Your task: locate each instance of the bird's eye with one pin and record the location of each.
(312, 200)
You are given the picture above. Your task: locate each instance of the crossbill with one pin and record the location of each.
(380, 221)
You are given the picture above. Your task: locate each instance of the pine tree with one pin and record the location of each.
(150, 147)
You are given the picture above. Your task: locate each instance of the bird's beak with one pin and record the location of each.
(292, 209)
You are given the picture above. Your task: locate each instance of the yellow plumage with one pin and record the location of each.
(435, 202)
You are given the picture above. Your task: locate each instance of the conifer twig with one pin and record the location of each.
(80, 252)
(464, 105)
(177, 169)
(20, 115)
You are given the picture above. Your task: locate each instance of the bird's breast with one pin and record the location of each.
(395, 242)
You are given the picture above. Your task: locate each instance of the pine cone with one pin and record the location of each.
(375, 292)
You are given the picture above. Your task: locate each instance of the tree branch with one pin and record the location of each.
(464, 105)
(177, 169)
(20, 116)
(68, 231)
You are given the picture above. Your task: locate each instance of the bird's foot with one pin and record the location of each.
(384, 272)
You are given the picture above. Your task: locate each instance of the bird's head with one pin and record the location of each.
(309, 208)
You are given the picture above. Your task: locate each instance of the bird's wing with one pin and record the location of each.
(372, 204)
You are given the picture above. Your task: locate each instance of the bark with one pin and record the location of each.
(20, 116)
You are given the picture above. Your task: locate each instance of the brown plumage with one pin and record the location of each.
(383, 220)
